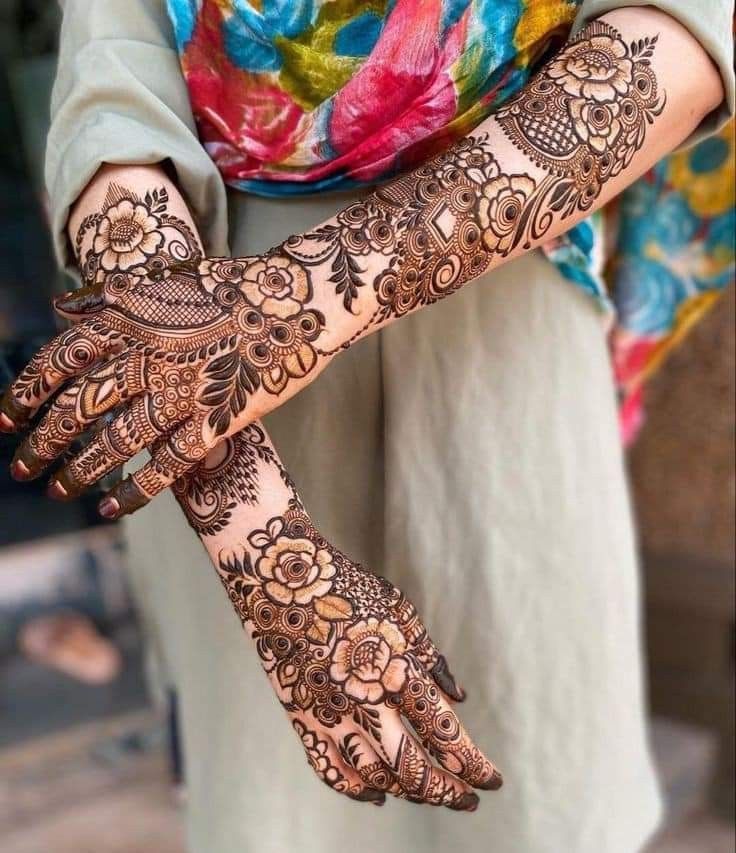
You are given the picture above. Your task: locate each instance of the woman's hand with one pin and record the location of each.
(195, 351)
(185, 358)
(348, 657)
(345, 651)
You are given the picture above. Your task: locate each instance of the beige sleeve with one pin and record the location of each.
(120, 97)
(710, 22)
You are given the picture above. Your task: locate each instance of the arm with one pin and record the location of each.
(600, 113)
(344, 650)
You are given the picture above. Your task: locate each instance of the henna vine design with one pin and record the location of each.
(344, 649)
(581, 120)
(196, 348)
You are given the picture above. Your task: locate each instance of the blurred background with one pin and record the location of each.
(82, 743)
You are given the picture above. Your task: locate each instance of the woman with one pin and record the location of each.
(476, 440)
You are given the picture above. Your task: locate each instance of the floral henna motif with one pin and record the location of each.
(206, 345)
(584, 116)
(345, 651)
(132, 239)
(194, 347)
(360, 230)
(581, 120)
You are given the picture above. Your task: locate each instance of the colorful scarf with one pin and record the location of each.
(301, 96)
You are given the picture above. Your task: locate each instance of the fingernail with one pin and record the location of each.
(108, 507)
(20, 471)
(16, 413)
(494, 783)
(27, 464)
(467, 803)
(56, 491)
(371, 795)
(128, 497)
(6, 425)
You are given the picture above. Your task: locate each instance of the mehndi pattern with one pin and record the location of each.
(194, 349)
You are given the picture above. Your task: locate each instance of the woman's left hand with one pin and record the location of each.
(185, 356)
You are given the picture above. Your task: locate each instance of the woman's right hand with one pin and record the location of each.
(351, 663)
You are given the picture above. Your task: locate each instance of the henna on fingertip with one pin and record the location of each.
(16, 414)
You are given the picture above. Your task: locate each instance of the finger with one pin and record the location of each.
(425, 651)
(440, 730)
(371, 768)
(131, 431)
(326, 761)
(78, 304)
(414, 771)
(171, 459)
(76, 408)
(68, 355)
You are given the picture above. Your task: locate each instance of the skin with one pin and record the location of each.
(240, 336)
(345, 651)
(254, 331)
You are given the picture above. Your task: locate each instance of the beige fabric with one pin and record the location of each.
(470, 454)
(120, 97)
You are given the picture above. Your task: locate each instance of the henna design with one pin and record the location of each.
(360, 229)
(211, 493)
(581, 120)
(584, 116)
(195, 346)
(207, 345)
(345, 651)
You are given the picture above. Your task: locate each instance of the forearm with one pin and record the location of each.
(574, 138)
(228, 340)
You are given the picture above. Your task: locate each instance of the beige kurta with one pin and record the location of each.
(470, 453)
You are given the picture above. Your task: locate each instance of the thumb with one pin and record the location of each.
(79, 304)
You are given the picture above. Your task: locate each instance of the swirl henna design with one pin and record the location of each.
(345, 651)
(186, 353)
(198, 348)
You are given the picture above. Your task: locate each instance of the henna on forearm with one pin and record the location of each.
(579, 122)
(345, 651)
(206, 346)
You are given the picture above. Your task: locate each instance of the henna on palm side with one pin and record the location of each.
(196, 348)
(343, 648)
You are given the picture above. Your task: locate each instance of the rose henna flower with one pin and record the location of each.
(368, 660)
(277, 285)
(500, 207)
(596, 124)
(597, 68)
(127, 235)
(295, 570)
